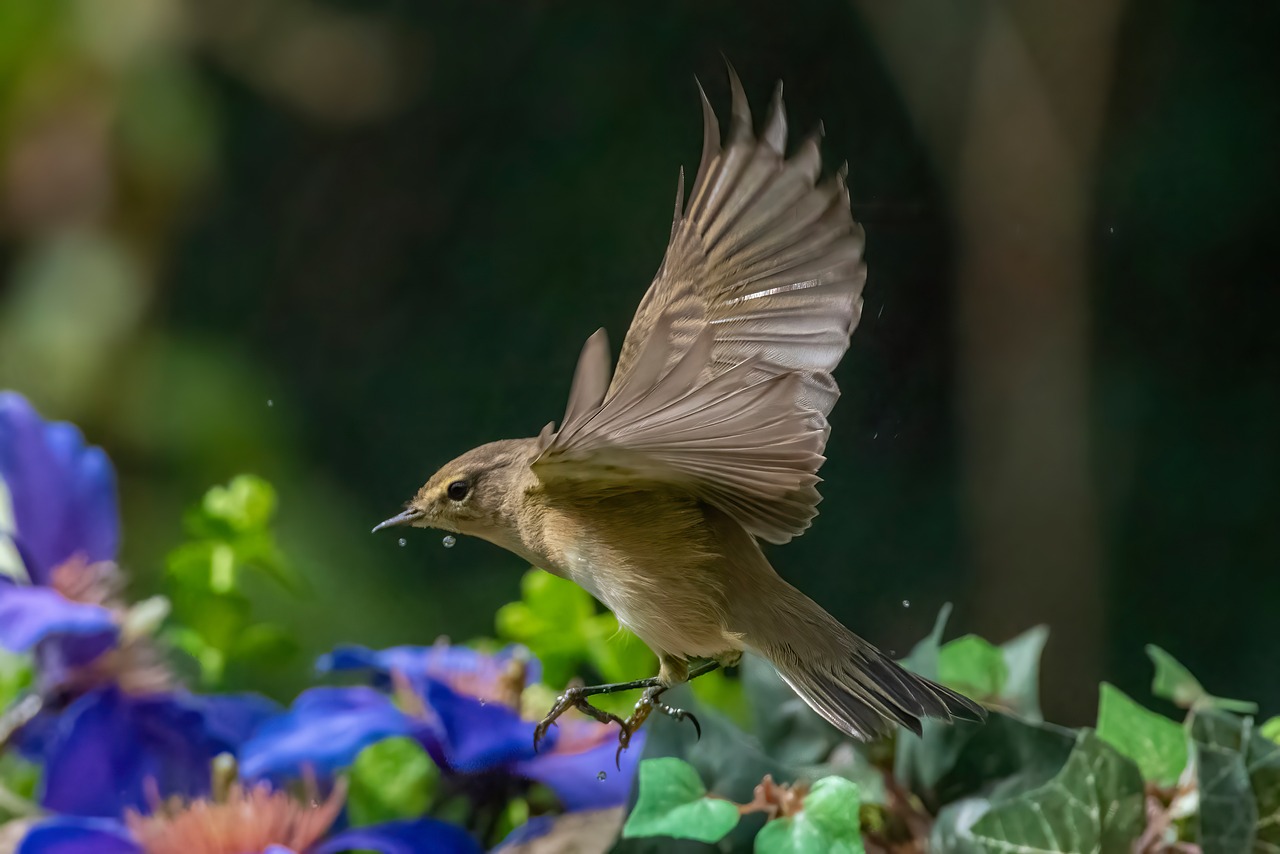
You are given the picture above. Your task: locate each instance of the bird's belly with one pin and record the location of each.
(671, 607)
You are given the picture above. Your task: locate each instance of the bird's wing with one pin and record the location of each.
(724, 382)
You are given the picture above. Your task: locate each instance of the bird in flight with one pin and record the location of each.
(668, 470)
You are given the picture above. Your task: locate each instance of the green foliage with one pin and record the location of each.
(673, 802)
(560, 624)
(828, 823)
(1155, 743)
(974, 667)
(229, 537)
(1175, 683)
(1238, 775)
(393, 779)
(1095, 803)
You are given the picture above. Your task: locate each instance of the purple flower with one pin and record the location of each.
(109, 752)
(62, 493)
(114, 727)
(464, 707)
(244, 820)
(61, 523)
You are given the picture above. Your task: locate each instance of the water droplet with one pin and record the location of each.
(602, 776)
(449, 541)
(483, 701)
(906, 603)
(271, 402)
(403, 542)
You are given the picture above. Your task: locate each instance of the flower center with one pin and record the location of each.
(246, 821)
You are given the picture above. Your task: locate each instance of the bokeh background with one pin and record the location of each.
(338, 243)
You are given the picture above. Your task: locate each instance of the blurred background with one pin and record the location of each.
(335, 244)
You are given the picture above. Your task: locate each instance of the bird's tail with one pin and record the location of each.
(855, 686)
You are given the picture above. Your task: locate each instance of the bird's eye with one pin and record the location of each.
(458, 490)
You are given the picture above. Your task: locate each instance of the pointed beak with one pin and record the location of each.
(408, 517)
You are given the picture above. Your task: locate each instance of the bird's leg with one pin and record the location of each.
(576, 698)
(673, 672)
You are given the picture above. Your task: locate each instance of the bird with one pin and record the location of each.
(668, 471)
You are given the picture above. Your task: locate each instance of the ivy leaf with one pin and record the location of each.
(391, 780)
(673, 802)
(1095, 803)
(1155, 743)
(1021, 692)
(828, 823)
(1271, 729)
(1239, 779)
(973, 666)
(1174, 682)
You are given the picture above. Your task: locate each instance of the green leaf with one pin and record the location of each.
(1095, 803)
(1271, 729)
(673, 802)
(1155, 743)
(1239, 779)
(559, 623)
(1174, 682)
(828, 823)
(15, 677)
(391, 780)
(245, 504)
(973, 666)
(1021, 692)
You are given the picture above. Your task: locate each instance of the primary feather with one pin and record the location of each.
(724, 381)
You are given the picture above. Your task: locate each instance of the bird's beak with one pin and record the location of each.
(408, 517)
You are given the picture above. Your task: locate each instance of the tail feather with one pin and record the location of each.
(856, 687)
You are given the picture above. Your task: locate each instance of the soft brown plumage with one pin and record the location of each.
(708, 437)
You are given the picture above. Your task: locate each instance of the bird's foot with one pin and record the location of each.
(573, 698)
(645, 706)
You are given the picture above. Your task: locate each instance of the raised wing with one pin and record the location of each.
(724, 381)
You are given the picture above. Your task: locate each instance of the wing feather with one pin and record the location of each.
(724, 381)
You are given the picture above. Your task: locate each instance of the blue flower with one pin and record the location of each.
(463, 706)
(256, 819)
(109, 752)
(114, 727)
(62, 494)
(59, 529)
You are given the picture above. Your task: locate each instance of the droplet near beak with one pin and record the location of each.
(406, 518)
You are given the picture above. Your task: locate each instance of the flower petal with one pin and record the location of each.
(423, 836)
(475, 735)
(61, 491)
(580, 767)
(29, 615)
(439, 661)
(77, 835)
(323, 731)
(103, 753)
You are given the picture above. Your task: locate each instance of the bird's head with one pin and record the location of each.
(477, 494)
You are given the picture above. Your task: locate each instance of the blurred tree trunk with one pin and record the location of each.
(1011, 97)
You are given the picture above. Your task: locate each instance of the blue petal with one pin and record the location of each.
(477, 736)
(423, 836)
(29, 615)
(105, 751)
(439, 661)
(63, 493)
(573, 766)
(75, 835)
(323, 731)
(233, 718)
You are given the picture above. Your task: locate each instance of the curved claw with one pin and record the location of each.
(697, 727)
(617, 757)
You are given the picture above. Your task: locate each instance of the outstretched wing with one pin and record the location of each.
(724, 381)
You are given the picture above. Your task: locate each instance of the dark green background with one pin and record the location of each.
(343, 303)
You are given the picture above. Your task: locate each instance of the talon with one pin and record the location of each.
(697, 727)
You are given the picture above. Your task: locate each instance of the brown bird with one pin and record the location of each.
(667, 471)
